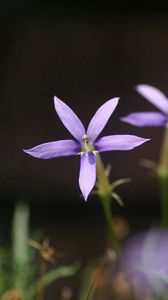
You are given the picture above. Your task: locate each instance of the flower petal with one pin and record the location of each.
(142, 119)
(100, 118)
(87, 176)
(69, 119)
(55, 149)
(119, 142)
(154, 95)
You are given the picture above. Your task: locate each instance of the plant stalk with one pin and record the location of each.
(163, 178)
(104, 191)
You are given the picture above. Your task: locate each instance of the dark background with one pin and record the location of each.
(85, 54)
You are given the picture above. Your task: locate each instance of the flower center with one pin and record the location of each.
(87, 146)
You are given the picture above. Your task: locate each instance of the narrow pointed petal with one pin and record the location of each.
(100, 118)
(54, 149)
(154, 95)
(69, 119)
(87, 176)
(119, 142)
(142, 119)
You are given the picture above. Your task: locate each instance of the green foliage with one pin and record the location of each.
(55, 274)
(20, 268)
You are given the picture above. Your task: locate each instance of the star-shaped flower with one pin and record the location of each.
(152, 118)
(85, 143)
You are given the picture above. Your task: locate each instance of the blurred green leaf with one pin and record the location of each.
(53, 275)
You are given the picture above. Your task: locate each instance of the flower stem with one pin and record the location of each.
(164, 200)
(41, 287)
(106, 202)
(104, 191)
(163, 177)
(20, 232)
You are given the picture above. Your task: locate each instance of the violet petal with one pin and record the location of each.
(55, 149)
(100, 118)
(87, 175)
(119, 142)
(142, 119)
(154, 95)
(69, 119)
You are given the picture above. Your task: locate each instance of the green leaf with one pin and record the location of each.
(55, 274)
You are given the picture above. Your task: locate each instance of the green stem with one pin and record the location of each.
(164, 152)
(164, 200)
(106, 202)
(104, 191)
(20, 258)
(163, 177)
(20, 229)
(41, 287)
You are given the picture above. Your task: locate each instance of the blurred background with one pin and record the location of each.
(84, 54)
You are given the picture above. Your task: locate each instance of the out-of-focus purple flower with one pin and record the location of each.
(85, 143)
(158, 99)
(146, 261)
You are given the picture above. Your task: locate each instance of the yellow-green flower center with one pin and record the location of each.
(87, 146)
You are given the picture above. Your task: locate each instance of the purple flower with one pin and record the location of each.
(153, 118)
(146, 261)
(85, 143)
